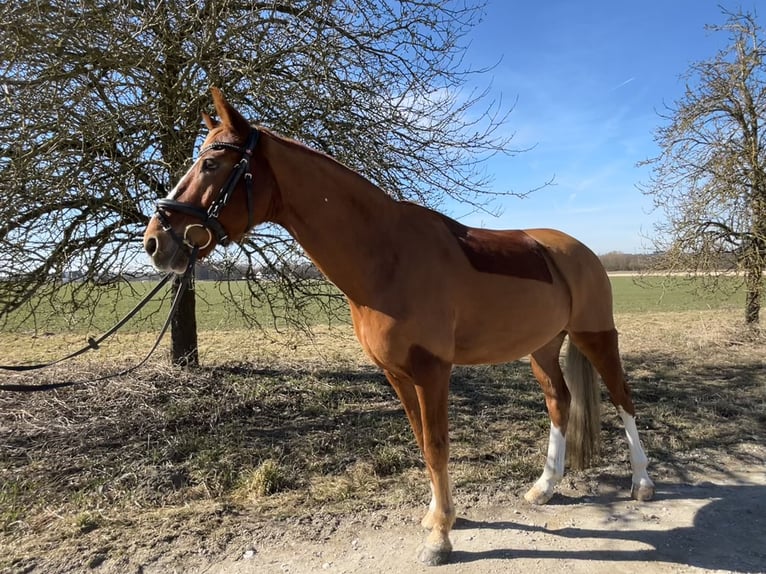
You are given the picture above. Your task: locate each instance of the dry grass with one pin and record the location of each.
(295, 426)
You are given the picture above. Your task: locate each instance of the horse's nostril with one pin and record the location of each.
(151, 246)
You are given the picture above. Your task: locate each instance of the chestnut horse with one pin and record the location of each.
(425, 292)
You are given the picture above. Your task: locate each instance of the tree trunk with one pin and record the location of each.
(753, 286)
(183, 330)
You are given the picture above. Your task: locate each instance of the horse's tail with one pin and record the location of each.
(584, 427)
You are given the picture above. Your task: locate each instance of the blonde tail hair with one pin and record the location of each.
(584, 427)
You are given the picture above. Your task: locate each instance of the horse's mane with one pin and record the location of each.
(302, 147)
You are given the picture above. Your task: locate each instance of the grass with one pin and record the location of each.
(327, 432)
(270, 477)
(662, 294)
(224, 327)
(291, 426)
(232, 307)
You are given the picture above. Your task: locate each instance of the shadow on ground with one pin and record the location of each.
(728, 533)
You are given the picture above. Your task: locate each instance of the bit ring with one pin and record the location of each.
(191, 244)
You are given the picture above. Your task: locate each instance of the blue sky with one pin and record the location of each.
(590, 77)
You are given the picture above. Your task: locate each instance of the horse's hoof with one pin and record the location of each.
(434, 555)
(536, 496)
(642, 492)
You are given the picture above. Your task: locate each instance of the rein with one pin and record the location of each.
(208, 220)
(186, 281)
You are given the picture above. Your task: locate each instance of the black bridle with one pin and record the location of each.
(209, 218)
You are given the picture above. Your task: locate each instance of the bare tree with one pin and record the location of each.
(710, 177)
(101, 114)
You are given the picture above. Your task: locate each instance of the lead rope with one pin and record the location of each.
(184, 285)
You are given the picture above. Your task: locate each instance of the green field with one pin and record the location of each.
(275, 433)
(665, 294)
(225, 306)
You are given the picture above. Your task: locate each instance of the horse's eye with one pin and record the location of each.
(209, 164)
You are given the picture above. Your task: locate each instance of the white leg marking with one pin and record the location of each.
(432, 504)
(554, 462)
(638, 460)
(429, 519)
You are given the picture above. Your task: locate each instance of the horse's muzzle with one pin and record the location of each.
(165, 253)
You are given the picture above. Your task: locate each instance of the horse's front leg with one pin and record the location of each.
(405, 390)
(436, 549)
(431, 377)
(424, 395)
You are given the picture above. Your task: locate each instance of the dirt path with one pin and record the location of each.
(712, 521)
(148, 475)
(718, 524)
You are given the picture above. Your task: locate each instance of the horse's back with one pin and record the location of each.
(490, 295)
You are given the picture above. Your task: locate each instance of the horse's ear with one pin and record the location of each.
(209, 122)
(229, 116)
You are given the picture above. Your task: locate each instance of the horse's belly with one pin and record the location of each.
(498, 331)
(504, 347)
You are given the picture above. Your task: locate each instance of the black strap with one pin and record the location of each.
(211, 223)
(94, 343)
(209, 217)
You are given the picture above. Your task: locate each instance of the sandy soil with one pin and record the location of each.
(709, 513)
(712, 522)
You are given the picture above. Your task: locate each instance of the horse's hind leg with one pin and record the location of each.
(547, 371)
(602, 351)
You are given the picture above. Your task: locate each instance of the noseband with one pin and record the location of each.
(209, 218)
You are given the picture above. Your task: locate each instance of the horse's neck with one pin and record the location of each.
(339, 218)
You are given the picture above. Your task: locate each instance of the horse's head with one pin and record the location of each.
(216, 201)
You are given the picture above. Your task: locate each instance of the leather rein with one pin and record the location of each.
(94, 343)
(208, 220)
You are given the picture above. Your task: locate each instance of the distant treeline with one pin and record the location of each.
(612, 261)
(299, 270)
(302, 269)
(619, 261)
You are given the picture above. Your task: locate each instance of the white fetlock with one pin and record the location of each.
(642, 490)
(428, 520)
(539, 494)
(542, 491)
(643, 487)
